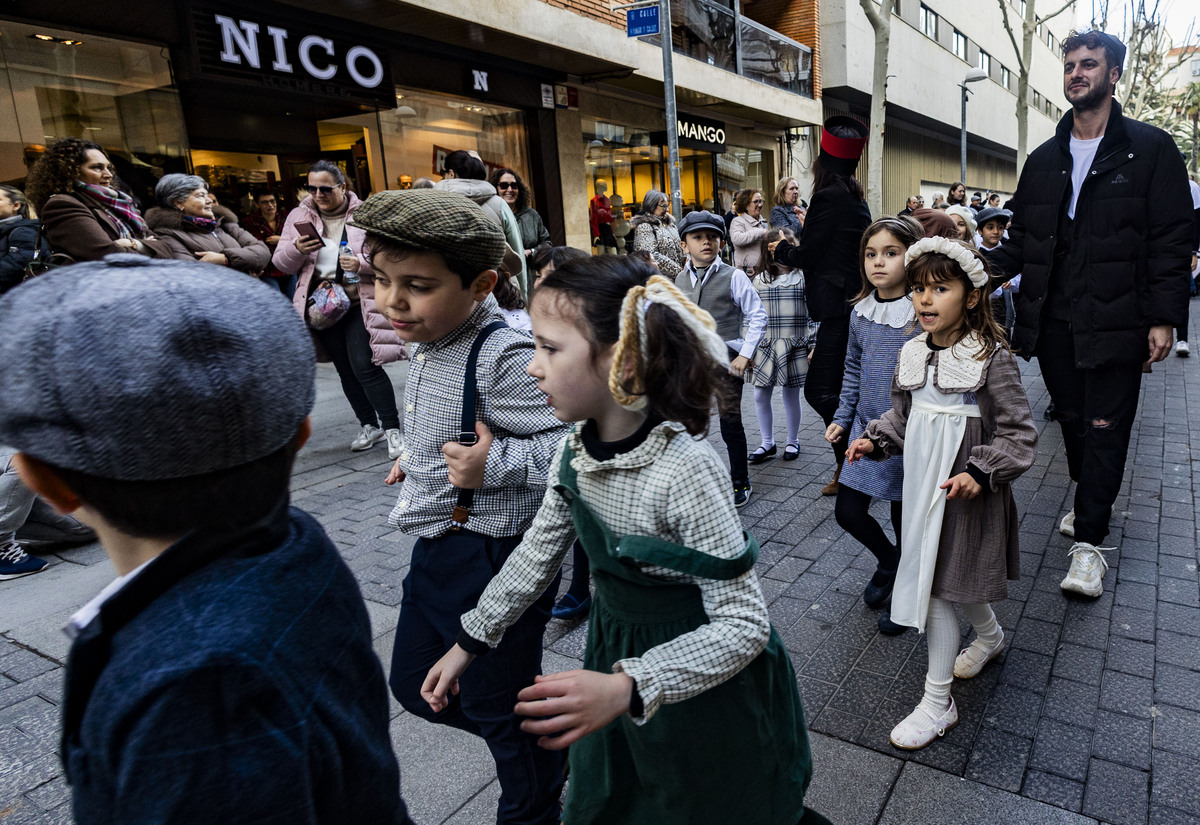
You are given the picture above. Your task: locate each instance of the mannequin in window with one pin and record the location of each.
(602, 219)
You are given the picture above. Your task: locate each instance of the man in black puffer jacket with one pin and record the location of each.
(1101, 235)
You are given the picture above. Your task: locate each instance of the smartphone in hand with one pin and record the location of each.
(307, 230)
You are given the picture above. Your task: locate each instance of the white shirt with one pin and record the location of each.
(1083, 152)
(82, 617)
(746, 297)
(1195, 187)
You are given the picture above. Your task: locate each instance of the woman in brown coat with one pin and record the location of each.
(72, 188)
(198, 229)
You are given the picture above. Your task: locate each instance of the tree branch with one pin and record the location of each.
(1012, 37)
(1054, 14)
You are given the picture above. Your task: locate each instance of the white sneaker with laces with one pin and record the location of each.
(1067, 525)
(973, 658)
(395, 442)
(1181, 349)
(920, 729)
(1087, 569)
(367, 437)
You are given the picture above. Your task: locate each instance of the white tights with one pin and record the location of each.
(941, 629)
(766, 416)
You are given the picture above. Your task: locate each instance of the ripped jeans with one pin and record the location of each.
(1096, 409)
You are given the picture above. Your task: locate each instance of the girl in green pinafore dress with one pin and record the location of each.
(687, 709)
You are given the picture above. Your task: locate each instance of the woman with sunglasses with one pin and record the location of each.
(362, 341)
(74, 190)
(747, 230)
(512, 190)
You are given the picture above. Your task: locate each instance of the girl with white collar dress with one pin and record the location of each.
(961, 419)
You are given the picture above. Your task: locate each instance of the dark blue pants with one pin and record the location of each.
(447, 577)
(732, 431)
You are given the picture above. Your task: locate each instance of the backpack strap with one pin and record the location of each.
(466, 430)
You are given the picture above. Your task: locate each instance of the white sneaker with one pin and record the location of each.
(1181, 349)
(920, 729)
(395, 443)
(1087, 569)
(973, 658)
(1067, 525)
(367, 437)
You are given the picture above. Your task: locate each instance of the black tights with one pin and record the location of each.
(851, 512)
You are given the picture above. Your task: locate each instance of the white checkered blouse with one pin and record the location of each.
(670, 486)
(507, 400)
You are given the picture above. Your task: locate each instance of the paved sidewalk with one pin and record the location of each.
(1092, 714)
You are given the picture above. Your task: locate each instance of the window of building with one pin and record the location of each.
(929, 22)
(1050, 41)
(1196, 68)
(960, 44)
(1038, 29)
(1037, 100)
(1022, 8)
(1005, 77)
(985, 62)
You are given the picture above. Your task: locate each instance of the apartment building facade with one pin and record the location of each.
(934, 43)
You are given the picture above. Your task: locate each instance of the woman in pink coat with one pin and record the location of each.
(362, 341)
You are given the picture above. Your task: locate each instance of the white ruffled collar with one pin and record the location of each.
(955, 369)
(895, 314)
(793, 278)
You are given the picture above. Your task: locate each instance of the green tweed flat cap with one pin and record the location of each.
(437, 221)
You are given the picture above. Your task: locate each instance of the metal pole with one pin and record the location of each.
(664, 36)
(963, 178)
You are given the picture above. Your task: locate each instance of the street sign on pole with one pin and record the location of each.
(642, 21)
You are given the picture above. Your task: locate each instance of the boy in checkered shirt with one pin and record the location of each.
(435, 256)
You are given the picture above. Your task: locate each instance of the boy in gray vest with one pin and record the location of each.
(727, 294)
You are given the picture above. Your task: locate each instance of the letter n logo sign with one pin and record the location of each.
(480, 80)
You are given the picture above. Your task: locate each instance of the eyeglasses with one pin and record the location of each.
(266, 201)
(502, 185)
(758, 201)
(324, 190)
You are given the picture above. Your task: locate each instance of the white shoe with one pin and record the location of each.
(1181, 349)
(920, 729)
(973, 658)
(367, 437)
(395, 443)
(1087, 569)
(1067, 525)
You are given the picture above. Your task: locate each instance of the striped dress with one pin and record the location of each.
(878, 331)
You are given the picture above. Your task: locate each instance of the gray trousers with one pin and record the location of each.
(25, 517)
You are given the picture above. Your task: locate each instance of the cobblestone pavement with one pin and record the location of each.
(1092, 713)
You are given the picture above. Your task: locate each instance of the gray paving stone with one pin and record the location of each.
(1116, 793)
(1176, 686)
(1014, 711)
(837, 766)
(1175, 784)
(1179, 619)
(1083, 664)
(1133, 623)
(1027, 670)
(1127, 694)
(1122, 739)
(1055, 790)
(1177, 730)
(1037, 636)
(1169, 816)
(1177, 649)
(999, 759)
(1062, 749)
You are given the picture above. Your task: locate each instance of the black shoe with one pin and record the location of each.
(761, 456)
(879, 589)
(741, 493)
(1048, 413)
(887, 627)
(791, 452)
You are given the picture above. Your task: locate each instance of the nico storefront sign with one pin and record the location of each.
(293, 53)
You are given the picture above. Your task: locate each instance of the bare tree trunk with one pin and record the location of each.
(880, 17)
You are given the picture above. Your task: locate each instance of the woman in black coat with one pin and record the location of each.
(828, 253)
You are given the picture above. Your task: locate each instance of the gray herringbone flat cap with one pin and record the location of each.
(138, 369)
(437, 221)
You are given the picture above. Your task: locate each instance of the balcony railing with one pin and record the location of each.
(710, 31)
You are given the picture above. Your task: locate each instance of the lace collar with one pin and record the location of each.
(896, 314)
(954, 369)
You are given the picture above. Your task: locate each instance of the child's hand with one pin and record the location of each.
(858, 448)
(962, 486)
(1006, 285)
(395, 475)
(575, 703)
(834, 434)
(466, 463)
(443, 677)
(738, 365)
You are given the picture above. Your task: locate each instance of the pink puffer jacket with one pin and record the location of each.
(386, 347)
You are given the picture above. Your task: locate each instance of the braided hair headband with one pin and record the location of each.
(955, 251)
(631, 344)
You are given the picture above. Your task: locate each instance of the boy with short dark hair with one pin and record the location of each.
(228, 674)
(468, 496)
(727, 294)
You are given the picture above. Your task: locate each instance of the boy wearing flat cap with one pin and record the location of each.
(227, 675)
(470, 484)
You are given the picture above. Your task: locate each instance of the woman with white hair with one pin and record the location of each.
(199, 229)
(654, 232)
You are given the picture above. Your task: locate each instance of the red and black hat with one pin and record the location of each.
(840, 154)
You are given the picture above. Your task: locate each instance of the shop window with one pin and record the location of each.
(424, 127)
(56, 84)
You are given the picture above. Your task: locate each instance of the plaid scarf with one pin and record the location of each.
(118, 204)
(205, 224)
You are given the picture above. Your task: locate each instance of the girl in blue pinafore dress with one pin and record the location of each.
(882, 321)
(687, 710)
